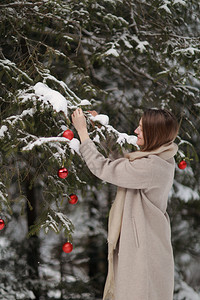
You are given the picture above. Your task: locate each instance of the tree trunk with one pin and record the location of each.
(33, 243)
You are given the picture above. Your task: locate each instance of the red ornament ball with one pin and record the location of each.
(182, 165)
(2, 224)
(68, 134)
(73, 199)
(62, 173)
(67, 247)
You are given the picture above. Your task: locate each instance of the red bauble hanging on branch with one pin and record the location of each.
(67, 247)
(73, 199)
(62, 173)
(182, 165)
(2, 224)
(68, 134)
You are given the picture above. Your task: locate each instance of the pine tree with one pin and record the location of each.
(122, 56)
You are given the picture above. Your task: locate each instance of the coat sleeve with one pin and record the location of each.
(120, 172)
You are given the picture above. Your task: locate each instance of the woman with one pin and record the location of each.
(141, 265)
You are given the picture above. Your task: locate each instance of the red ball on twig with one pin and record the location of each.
(73, 199)
(2, 224)
(182, 165)
(62, 173)
(68, 134)
(67, 247)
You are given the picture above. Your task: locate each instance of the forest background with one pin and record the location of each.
(117, 57)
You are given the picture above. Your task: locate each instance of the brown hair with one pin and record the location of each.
(159, 127)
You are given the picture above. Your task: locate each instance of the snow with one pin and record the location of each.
(26, 112)
(7, 64)
(74, 144)
(43, 140)
(48, 95)
(186, 292)
(112, 51)
(189, 50)
(4, 242)
(50, 223)
(184, 142)
(65, 221)
(166, 8)
(22, 296)
(113, 1)
(29, 112)
(185, 193)
(3, 129)
(69, 93)
(56, 294)
(84, 102)
(165, 5)
(182, 2)
(185, 258)
(96, 139)
(2, 196)
(141, 44)
(126, 42)
(102, 119)
(123, 137)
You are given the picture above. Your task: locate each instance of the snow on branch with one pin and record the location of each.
(52, 222)
(43, 140)
(182, 290)
(65, 221)
(46, 94)
(4, 195)
(112, 51)
(167, 3)
(73, 144)
(16, 118)
(187, 51)
(141, 44)
(22, 3)
(181, 2)
(184, 192)
(102, 119)
(122, 138)
(7, 65)
(3, 129)
(73, 99)
(166, 8)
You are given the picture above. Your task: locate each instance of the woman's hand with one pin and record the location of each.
(79, 122)
(94, 114)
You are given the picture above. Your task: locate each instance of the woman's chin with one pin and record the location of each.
(139, 143)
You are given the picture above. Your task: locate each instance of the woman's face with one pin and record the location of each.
(139, 132)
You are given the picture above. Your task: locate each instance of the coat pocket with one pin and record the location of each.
(135, 232)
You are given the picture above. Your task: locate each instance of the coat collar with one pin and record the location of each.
(165, 152)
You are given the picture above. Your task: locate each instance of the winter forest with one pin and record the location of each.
(116, 57)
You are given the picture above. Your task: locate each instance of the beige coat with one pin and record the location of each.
(143, 258)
